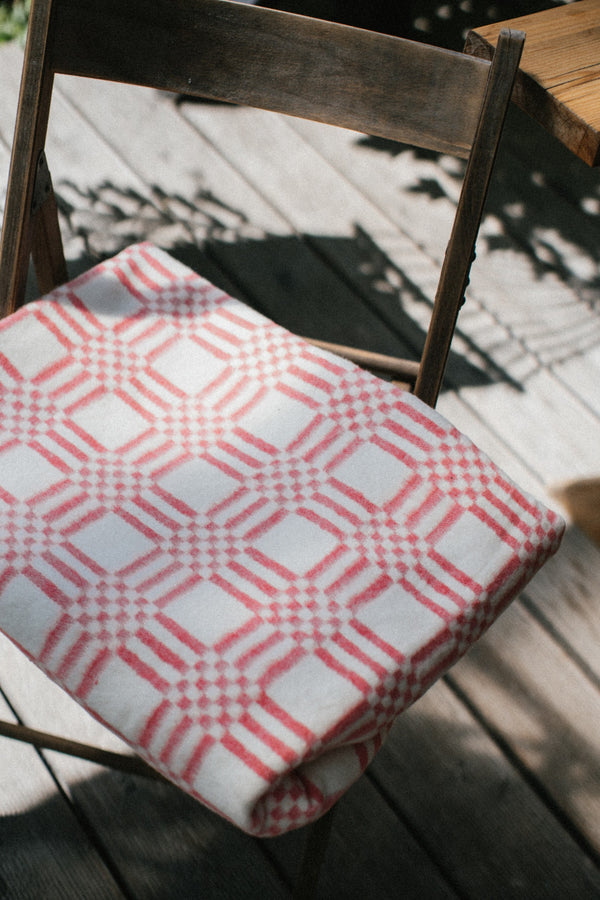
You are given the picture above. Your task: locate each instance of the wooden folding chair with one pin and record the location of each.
(347, 77)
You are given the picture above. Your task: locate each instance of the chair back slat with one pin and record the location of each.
(369, 82)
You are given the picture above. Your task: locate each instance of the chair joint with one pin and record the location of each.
(42, 187)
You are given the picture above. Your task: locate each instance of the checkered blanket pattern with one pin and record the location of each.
(242, 554)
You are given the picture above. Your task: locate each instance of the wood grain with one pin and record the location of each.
(259, 57)
(559, 81)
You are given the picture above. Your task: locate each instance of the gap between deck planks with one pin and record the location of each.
(259, 216)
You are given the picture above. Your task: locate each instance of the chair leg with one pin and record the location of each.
(314, 853)
(44, 741)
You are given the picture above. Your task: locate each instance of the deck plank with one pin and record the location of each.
(44, 851)
(492, 835)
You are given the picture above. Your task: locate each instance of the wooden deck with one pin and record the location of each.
(490, 786)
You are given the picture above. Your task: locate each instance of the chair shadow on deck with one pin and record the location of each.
(339, 289)
(439, 792)
(547, 204)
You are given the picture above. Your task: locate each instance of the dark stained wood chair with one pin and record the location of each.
(373, 83)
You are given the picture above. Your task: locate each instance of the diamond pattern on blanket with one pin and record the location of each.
(242, 554)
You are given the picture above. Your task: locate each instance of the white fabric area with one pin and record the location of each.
(242, 554)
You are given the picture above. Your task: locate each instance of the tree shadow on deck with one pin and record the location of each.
(340, 289)
(545, 204)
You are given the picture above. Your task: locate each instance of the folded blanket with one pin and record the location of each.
(242, 554)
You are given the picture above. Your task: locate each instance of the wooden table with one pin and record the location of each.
(559, 79)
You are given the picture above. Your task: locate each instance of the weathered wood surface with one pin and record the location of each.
(490, 786)
(559, 84)
(315, 72)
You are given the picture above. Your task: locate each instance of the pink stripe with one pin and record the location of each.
(271, 564)
(226, 312)
(442, 589)
(147, 254)
(139, 273)
(327, 561)
(183, 588)
(321, 522)
(144, 671)
(349, 575)
(282, 749)
(48, 587)
(313, 355)
(92, 675)
(164, 653)
(402, 432)
(305, 399)
(508, 513)
(310, 378)
(423, 599)
(182, 634)
(351, 648)
(306, 433)
(373, 590)
(223, 334)
(279, 667)
(86, 438)
(255, 441)
(333, 663)
(49, 323)
(253, 606)
(195, 760)
(458, 575)
(83, 402)
(73, 322)
(10, 369)
(66, 571)
(324, 444)
(258, 650)
(68, 446)
(52, 370)
(72, 657)
(175, 739)
(154, 723)
(175, 502)
(226, 402)
(151, 396)
(157, 514)
(298, 728)
(375, 639)
(354, 495)
(59, 511)
(139, 525)
(338, 509)
(431, 501)
(154, 580)
(56, 461)
(65, 389)
(6, 577)
(223, 467)
(249, 759)
(246, 513)
(54, 637)
(259, 530)
(268, 589)
(406, 409)
(239, 454)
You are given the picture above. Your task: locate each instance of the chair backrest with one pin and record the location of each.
(370, 82)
